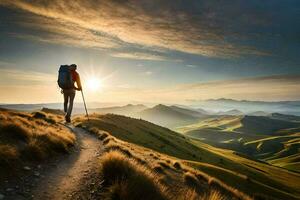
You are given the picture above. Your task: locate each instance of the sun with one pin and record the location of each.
(93, 84)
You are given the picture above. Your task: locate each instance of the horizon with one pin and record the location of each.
(150, 103)
(151, 51)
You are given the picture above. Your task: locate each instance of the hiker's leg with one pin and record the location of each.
(66, 98)
(70, 108)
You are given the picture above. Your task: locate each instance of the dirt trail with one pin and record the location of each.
(62, 180)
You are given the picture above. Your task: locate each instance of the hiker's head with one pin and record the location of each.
(73, 67)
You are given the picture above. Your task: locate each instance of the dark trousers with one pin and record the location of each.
(69, 96)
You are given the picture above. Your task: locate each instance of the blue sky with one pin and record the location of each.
(147, 50)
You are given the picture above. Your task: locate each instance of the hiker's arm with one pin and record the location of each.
(78, 83)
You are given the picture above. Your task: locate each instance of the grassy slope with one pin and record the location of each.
(272, 181)
(264, 125)
(175, 179)
(30, 137)
(224, 123)
(169, 116)
(238, 133)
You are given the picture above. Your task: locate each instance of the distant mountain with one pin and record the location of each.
(285, 107)
(128, 110)
(285, 117)
(189, 112)
(170, 116)
(231, 112)
(259, 113)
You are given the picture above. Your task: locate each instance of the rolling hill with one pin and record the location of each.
(271, 139)
(231, 112)
(181, 161)
(170, 116)
(235, 169)
(128, 110)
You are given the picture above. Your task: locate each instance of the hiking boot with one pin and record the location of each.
(68, 119)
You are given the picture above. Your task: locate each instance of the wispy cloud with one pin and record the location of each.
(191, 66)
(64, 32)
(272, 88)
(148, 73)
(5, 64)
(142, 56)
(14, 77)
(194, 29)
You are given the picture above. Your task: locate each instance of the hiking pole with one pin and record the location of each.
(87, 114)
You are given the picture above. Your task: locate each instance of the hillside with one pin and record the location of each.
(170, 116)
(270, 139)
(166, 159)
(26, 138)
(234, 169)
(190, 112)
(231, 112)
(127, 110)
(264, 125)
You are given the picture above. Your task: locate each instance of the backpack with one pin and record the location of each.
(65, 80)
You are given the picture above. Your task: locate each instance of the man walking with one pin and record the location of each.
(66, 80)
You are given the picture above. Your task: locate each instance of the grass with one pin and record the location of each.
(28, 137)
(191, 180)
(162, 166)
(124, 178)
(177, 165)
(127, 179)
(247, 175)
(265, 179)
(270, 139)
(143, 133)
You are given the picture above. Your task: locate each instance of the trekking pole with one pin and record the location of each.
(87, 114)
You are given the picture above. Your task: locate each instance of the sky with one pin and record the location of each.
(160, 51)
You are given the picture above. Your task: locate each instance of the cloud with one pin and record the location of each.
(5, 64)
(22, 87)
(271, 88)
(142, 56)
(148, 73)
(14, 77)
(195, 28)
(63, 32)
(281, 87)
(192, 66)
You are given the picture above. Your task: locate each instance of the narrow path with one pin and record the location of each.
(64, 178)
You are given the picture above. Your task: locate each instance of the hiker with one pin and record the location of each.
(66, 81)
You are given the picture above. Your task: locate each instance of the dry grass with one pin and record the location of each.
(127, 179)
(214, 195)
(191, 180)
(177, 180)
(191, 194)
(177, 165)
(158, 169)
(164, 165)
(36, 136)
(8, 154)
